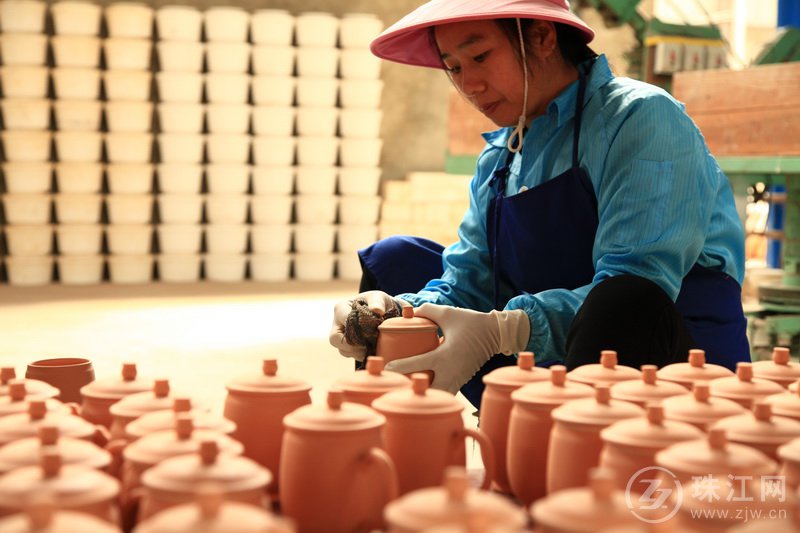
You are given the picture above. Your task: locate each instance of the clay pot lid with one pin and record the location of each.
(781, 369)
(184, 473)
(699, 407)
(420, 399)
(516, 376)
(785, 404)
(598, 411)
(592, 508)
(648, 389)
(649, 431)
(16, 401)
(335, 415)
(41, 514)
(374, 379)
(556, 391)
(606, 371)
(26, 452)
(71, 485)
(210, 513)
(743, 387)
(34, 387)
(759, 426)
(127, 383)
(453, 503)
(166, 419)
(407, 323)
(183, 439)
(714, 454)
(135, 405)
(268, 382)
(696, 369)
(21, 425)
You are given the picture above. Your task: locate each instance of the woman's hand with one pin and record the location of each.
(355, 338)
(470, 339)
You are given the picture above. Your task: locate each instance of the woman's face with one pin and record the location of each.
(486, 69)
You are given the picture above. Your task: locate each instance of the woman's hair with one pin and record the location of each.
(571, 44)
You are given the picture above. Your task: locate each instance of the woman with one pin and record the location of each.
(598, 219)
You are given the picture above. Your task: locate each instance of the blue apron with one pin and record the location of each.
(543, 238)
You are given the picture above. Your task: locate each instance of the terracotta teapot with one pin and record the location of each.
(789, 455)
(453, 504)
(99, 395)
(257, 405)
(210, 513)
(173, 481)
(26, 452)
(575, 444)
(335, 476)
(781, 369)
(16, 401)
(648, 389)
(405, 336)
(166, 419)
(583, 509)
(631, 445)
(67, 374)
(425, 433)
(696, 369)
(34, 387)
(41, 515)
(743, 388)
(607, 371)
(496, 407)
(22, 425)
(363, 386)
(699, 408)
(133, 406)
(74, 487)
(759, 429)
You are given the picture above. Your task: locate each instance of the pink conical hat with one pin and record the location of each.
(408, 40)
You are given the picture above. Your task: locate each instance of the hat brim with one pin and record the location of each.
(409, 41)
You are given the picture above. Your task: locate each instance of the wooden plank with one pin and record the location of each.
(464, 127)
(770, 132)
(767, 86)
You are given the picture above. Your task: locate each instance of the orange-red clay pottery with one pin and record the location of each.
(133, 406)
(648, 389)
(27, 452)
(425, 433)
(781, 369)
(16, 401)
(99, 395)
(405, 336)
(694, 370)
(607, 371)
(529, 431)
(34, 387)
(166, 419)
(41, 514)
(699, 408)
(759, 429)
(335, 476)
(789, 455)
(67, 374)
(21, 425)
(743, 388)
(363, 386)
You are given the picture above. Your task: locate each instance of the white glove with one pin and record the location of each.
(470, 339)
(378, 301)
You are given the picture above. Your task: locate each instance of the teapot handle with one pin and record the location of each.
(379, 457)
(115, 447)
(101, 435)
(487, 454)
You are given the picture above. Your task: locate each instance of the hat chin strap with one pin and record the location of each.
(514, 143)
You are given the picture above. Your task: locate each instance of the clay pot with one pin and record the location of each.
(529, 431)
(173, 481)
(22, 425)
(405, 336)
(166, 419)
(580, 510)
(16, 401)
(33, 387)
(257, 405)
(453, 505)
(99, 395)
(363, 386)
(631, 445)
(335, 476)
(422, 415)
(496, 407)
(41, 514)
(210, 513)
(699, 408)
(785, 404)
(648, 389)
(68, 374)
(743, 388)
(759, 429)
(607, 371)
(696, 369)
(133, 406)
(26, 452)
(74, 487)
(575, 444)
(781, 369)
